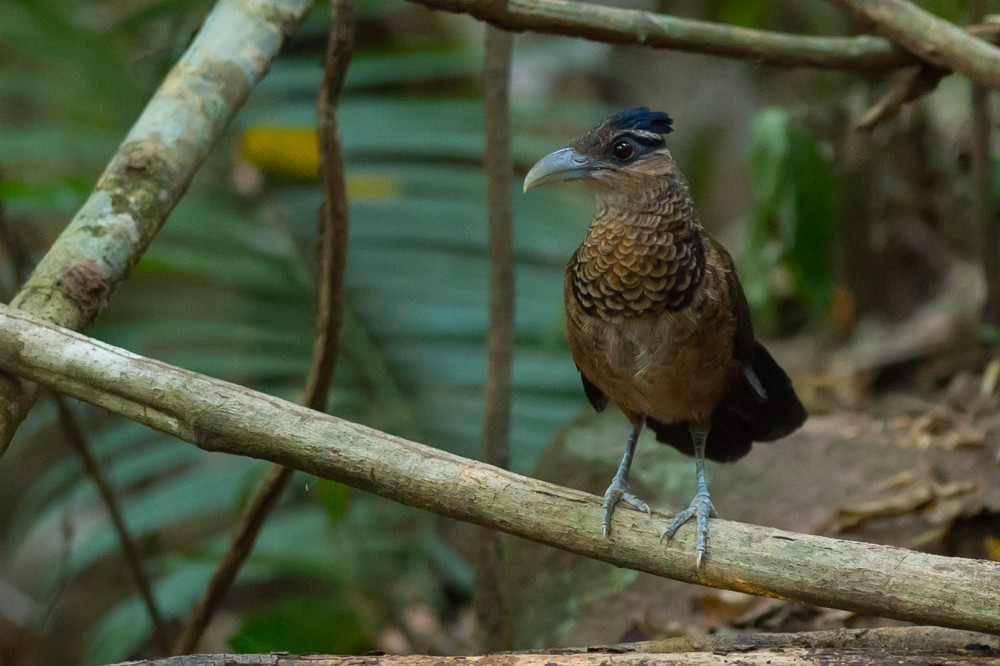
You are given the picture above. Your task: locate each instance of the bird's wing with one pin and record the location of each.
(596, 396)
(744, 343)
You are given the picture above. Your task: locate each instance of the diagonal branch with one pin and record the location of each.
(220, 416)
(150, 172)
(329, 319)
(932, 39)
(130, 549)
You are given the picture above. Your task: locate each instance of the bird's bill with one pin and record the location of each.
(565, 164)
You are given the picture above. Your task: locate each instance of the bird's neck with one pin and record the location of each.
(643, 254)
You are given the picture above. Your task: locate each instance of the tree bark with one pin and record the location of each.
(788, 656)
(150, 173)
(932, 39)
(490, 597)
(220, 416)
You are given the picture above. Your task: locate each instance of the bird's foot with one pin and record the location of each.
(617, 492)
(701, 507)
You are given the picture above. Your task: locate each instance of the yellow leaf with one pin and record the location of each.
(993, 548)
(286, 152)
(293, 152)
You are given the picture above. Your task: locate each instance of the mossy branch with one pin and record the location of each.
(150, 172)
(220, 416)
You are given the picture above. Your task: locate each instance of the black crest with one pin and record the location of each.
(641, 118)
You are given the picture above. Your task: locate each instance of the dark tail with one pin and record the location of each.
(742, 418)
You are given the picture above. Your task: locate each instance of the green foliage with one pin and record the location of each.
(300, 626)
(794, 217)
(226, 289)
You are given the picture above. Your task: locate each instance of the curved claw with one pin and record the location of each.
(617, 492)
(701, 507)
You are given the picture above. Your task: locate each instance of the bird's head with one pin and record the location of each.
(625, 153)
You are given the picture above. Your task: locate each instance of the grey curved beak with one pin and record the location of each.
(565, 164)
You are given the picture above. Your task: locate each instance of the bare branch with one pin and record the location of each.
(910, 645)
(334, 223)
(220, 416)
(932, 39)
(492, 606)
(150, 172)
(910, 86)
(616, 25)
(329, 318)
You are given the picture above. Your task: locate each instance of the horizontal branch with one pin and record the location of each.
(617, 25)
(150, 172)
(788, 656)
(220, 416)
(932, 39)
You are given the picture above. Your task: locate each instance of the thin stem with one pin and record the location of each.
(130, 549)
(492, 606)
(983, 208)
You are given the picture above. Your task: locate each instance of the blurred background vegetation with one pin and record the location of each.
(831, 228)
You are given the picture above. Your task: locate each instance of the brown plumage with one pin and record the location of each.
(656, 318)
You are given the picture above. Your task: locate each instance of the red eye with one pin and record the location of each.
(623, 150)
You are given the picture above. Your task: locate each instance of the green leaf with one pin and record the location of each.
(333, 497)
(325, 625)
(794, 218)
(814, 226)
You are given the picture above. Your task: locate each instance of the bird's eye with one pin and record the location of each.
(623, 150)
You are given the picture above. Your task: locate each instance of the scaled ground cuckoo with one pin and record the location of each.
(656, 318)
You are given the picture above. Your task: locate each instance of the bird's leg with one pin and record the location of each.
(701, 506)
(618, 491)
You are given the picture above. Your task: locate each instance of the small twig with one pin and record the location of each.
(932, 39)
(492, 607)
(908, 87)
(130, 549)
(329, 319)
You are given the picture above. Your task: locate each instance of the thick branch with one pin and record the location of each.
(746, 655)
(932, 39)
(150, 172)
(632, 26)
(329, 319)
(220, 416)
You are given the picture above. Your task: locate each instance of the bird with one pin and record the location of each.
(656, 318)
